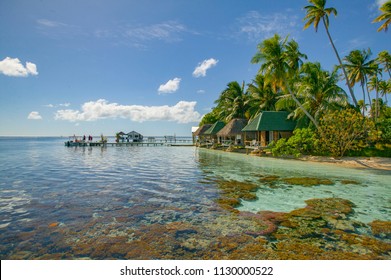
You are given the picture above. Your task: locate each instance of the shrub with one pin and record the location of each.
(344, 130)
(303, 141)
(384, 130)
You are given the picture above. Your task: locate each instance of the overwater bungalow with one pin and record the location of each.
(199, 134)
(268, 126)
(211, 133)
(232, 133)
(134, 136)
(120, 136)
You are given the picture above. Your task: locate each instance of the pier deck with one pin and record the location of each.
(122, 144)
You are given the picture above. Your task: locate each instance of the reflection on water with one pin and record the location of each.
(169, 203)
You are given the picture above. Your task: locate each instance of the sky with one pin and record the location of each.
(154, 66)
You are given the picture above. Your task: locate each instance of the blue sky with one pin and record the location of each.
(155, 66)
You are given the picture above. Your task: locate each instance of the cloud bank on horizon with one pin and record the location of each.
(14, 68)
(182, 112)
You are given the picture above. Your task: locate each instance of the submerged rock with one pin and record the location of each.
(349, 182)
(381, 228)
(307, 181)
(232, 191)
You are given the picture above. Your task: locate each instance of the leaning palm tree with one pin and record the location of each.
(384, 58)
(318, 91)
(232, 102)
(316, 13)
(386, 16)
(359, 67)
(279, 66)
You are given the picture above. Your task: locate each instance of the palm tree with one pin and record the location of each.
(384, 58)
(232, 102)
(373, 84)
(262, 96)
(359, 66)
(384, 88)
(386, 16)
(279, 66)
(317, 12)
(319, 90)
(362, 106)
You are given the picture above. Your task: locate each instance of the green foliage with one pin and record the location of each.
(232, 102)
(384, 131)
(379, 150)
(344, 130)
(303, 141)
(209, 118)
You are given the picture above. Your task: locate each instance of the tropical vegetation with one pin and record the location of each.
(385, 16)
(331, 121)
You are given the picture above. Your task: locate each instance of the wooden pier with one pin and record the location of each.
(124, 144)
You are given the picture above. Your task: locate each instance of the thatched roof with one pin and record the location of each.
(216, 127)
(233, 128)
(201, 130)
(271, 120)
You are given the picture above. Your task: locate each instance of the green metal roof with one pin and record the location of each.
(271, 120)
(216, 127)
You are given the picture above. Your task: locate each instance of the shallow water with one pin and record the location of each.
(154, 202)
(369, 190)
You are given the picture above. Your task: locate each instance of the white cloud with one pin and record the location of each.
(357, 43)
(201, 91)
(34, 115)
(138, 36)
(182, 112)
(166, 31)
(257, 26)
(200, 70)
(170, 87)
(14, 68)
(67, 104)
(50, 23)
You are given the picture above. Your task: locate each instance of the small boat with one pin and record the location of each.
(75, 141)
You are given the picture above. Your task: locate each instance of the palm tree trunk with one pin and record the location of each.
(301, 106)
(363, 95)
(340, 63)
(369, 97)
(377, 104)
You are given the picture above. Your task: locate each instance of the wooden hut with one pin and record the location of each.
(268, 126)
(211, 133)
(232, 132)
(199, 134)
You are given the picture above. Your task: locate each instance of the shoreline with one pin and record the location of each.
(375, 163)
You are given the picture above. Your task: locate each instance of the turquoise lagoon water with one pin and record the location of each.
(53, 197)
(370, 192)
